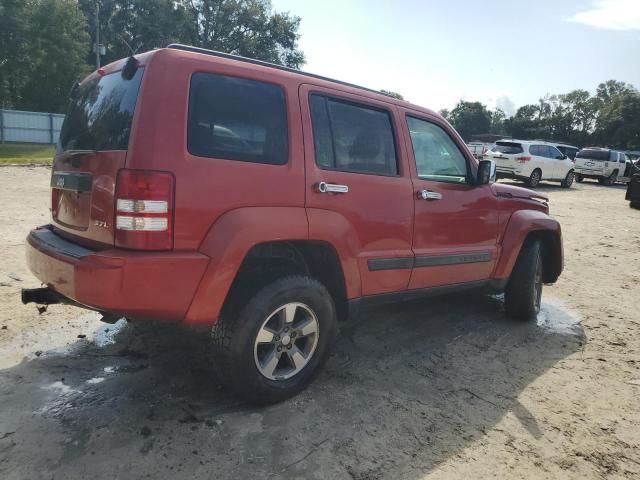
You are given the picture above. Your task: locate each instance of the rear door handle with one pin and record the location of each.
(429, 195)
(324, 187)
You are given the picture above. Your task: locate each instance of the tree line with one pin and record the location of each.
(609, 118)
(46, 45)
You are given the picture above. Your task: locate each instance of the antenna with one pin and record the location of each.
(127, 44)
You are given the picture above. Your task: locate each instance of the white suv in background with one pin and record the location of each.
(603, 164)
(531, 161)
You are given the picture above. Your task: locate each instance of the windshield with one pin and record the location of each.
(100, 113)
(592, 154)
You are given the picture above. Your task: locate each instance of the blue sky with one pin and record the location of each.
(500, 52)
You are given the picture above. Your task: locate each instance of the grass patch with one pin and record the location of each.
(25, 153)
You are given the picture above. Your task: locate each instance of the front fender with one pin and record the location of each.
(521, 224)
(227, 243)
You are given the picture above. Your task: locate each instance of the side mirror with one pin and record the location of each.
(486, 172)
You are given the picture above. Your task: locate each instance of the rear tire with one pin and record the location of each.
(534, 179)
(261, 350)
(579, 178)
(568, 180)
(523, 294)
(611, 179)
(635, 205)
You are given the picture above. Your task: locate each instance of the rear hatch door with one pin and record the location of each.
(505, 154)
(592, 161)
(91, 150)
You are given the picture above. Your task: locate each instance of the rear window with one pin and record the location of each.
(508, 148)
(351, 137)
(100, 113)
(237, 119)
(591, 154)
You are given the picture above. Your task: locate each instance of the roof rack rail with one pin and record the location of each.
(214, 53)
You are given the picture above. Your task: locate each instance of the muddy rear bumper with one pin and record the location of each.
(154, 285)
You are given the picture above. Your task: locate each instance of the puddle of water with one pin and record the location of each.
(60, 388)
(105, 335)
(555, 317)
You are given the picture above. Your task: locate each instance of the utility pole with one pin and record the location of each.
(97, 34)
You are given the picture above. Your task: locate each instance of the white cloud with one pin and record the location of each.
(505, 104)
(611, 15)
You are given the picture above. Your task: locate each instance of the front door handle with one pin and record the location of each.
(429, 195)
(324, 187)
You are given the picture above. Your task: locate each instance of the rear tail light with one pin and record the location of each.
(144, 210)
(523, 159)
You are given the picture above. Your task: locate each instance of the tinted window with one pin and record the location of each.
(536, 150)
(352, 138)
(508, 148)
(568, 151)
(237, 119)
(100, 113)
(554, 152)
(437, 156)
(593, 154)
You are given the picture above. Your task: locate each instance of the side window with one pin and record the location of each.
(237, 119)
(352, 138)
(535, 150)
(437, 156)
(554, 153)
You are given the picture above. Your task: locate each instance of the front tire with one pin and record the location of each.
(568, 180)
(523, 294)
(275, 345)
(535, 178)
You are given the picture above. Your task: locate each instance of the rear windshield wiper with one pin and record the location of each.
(67, 154)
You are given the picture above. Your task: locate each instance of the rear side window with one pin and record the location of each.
(237, 119)
(592, 154)
(535, 150)
(351, 137)
(508, 148)
(100, 113)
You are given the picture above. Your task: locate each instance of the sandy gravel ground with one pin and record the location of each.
(445, 388)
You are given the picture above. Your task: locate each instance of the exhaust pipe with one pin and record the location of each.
(47, 296)
(43, 296)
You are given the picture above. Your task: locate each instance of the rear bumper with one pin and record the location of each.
(154, 285)
(505, 173)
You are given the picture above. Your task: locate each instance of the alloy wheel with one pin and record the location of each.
(286, 341)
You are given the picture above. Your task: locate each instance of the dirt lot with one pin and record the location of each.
(444, 388)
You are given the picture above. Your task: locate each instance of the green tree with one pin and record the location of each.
(470, 118)
(250, 28)
(44, 47)
(136, 25)
(391, 94)
(15, 61)
(618, 121)
(58, 45)
(498, 122)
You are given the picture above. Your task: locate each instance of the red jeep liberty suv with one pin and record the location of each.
(269, 205)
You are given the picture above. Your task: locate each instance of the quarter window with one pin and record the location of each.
(351, 137)
(437, 157)
(237, 119)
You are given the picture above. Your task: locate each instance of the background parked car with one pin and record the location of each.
(531, 162)
(603, 164)
(569, 150)
(478, 148)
